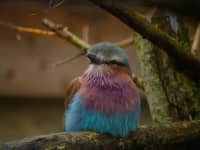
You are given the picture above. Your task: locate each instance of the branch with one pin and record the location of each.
(125, 42)
(68, 59)
(26, 29)
(151, 32)
(122, 43)
(62, 32)
(196, 41)
(66, 34)
(164, 136)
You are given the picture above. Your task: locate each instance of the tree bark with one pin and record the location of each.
(151, 81)
(181, 135)
(171, 95)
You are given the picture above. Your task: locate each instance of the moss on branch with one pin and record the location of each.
(181, 135)
(150, 75)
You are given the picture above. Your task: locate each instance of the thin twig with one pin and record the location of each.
(26, 29)
(125, 42)
(68, 59)
(196, 41)
(53, 4)
(37, 31)
(66, 34)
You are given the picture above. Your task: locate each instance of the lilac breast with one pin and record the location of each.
(108, 93)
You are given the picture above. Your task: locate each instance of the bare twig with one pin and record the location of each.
(26, 29)
(37, 31)
(55, 4)
(125, 42)
(66, 34)
(196, 41)
(68, 59)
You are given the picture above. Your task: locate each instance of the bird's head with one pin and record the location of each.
(107, 55)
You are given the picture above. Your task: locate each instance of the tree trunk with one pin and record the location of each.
(151, 81)
(171, 95)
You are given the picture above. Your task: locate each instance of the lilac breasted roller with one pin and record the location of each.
(104, 98)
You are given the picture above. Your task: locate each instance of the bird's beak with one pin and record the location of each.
(93, 59)
(91, 56)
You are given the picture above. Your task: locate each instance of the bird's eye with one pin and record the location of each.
(112, 62)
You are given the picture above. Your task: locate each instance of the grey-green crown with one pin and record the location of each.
(105, 51)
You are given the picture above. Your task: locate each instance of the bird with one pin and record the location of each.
(104, 99)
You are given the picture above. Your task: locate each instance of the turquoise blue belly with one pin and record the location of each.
(78, 118)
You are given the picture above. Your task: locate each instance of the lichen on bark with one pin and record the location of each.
(151, 81)
(171, 94)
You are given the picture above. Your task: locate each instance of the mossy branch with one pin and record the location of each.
(138, 22)
(181, 135)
